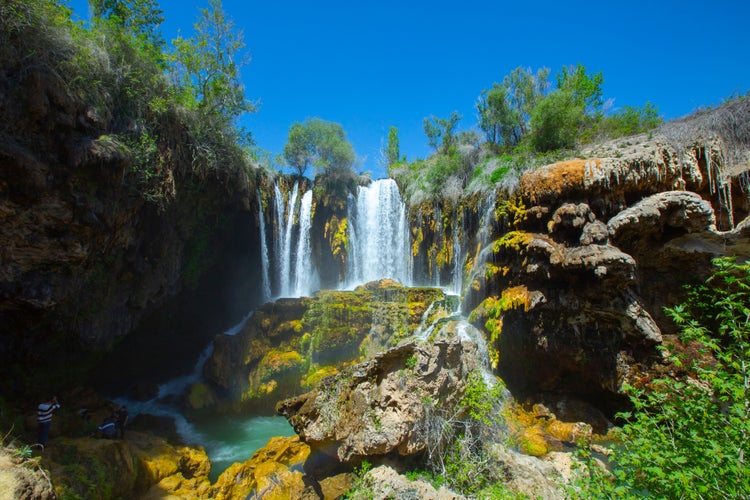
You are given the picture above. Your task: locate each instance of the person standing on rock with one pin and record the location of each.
(122, 421)
(44, 418)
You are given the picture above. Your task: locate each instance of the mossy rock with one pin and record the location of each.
(200, 396)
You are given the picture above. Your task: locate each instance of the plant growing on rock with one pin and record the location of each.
(456, 435)
(689, 436)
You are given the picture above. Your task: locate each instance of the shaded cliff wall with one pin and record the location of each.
(89, 245)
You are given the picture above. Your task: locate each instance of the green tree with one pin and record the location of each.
(496, 118)
(299, 152)
(524, 90)
(206, 66)
(556, 122)
(441, 132)
(139, 18)
(631, 120)
(392, 152)
(586, 89)
(320, 143)
(570, 113)
(505, 109)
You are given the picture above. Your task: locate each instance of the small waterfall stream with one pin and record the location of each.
(306, 279)
(265, 274)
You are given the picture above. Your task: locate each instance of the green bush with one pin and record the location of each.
(689, 437)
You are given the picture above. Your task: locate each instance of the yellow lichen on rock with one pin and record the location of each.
(268, 474)
(513, 240)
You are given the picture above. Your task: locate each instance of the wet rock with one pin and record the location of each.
(273, 472)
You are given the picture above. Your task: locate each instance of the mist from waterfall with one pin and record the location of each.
(379, 245)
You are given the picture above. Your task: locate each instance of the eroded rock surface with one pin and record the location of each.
(379, 407)
(289, 345)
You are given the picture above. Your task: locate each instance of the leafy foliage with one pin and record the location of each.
(392, 152)
(320, 143)
(441, 132)
(689, 437)
(631, 120)
(206, 66)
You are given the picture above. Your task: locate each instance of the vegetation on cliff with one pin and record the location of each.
(525, 123)
(689, 431)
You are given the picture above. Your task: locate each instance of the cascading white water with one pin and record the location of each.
(265, 276)
(305, 277)
(458, 254)
(378, 235)
(286, 246)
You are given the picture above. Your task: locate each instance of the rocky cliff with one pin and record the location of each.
(572, 296)
(94, 239)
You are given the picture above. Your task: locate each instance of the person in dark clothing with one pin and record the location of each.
(108, 428)
(44, 418)
(122, 421)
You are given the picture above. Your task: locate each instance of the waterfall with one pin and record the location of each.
(457, 253)
(286, 245)
(264, 252)
(306, 279)
(378, 235)
(487, 209)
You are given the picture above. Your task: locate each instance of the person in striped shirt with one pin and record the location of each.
(44, 418)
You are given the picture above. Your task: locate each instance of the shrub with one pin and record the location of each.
(689, 437)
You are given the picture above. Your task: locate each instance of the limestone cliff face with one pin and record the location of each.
(572, 296)
(86, 248)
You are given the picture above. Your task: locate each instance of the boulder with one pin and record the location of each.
(378, 408)
(273, 472)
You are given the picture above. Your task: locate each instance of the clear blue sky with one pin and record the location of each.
(370, 65)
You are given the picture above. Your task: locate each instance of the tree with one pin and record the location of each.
(631, 120)
(496, 118)
(441, 132)
(586, 89)
(524, 90)
(570, 113)
(505, 109)
(320, 143)
(207, 66)
(392, 152)
(139, 18)
(298, 150)
(556, 122)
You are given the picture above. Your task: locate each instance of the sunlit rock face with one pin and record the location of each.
(289, 345)
(382, 407)
(573, 294)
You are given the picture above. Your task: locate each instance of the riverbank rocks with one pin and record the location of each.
(378, 408)
(289, 345)
(23, 479)
(273, 472)
(139, 465)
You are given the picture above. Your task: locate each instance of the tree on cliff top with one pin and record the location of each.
(319, 143)
(207, 67)
(140, 18)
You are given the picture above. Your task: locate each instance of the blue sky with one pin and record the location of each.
(370, 65)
